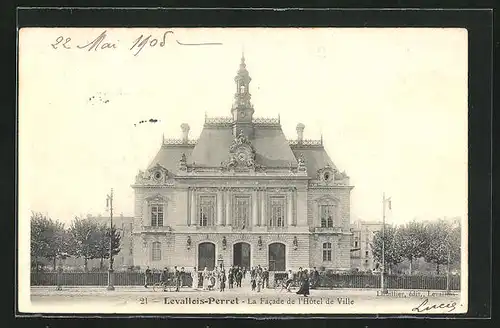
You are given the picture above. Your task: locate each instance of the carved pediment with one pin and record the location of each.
(327, 199)
(158, 174)
(158, 198)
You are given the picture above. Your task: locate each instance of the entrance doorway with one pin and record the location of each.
(206, 256)
(241, 255)
(277, 261)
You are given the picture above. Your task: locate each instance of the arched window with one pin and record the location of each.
(156, 251)
(327, 252)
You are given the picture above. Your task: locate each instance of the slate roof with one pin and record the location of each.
(271, 146)
(170, 155)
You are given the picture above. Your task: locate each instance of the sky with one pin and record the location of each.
(391, 105)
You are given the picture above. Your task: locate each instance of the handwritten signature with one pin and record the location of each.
(102, 42)
(423, 307)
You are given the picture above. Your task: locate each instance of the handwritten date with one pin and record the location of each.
(101, 42)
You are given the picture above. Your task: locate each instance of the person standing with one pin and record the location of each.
(258, 278)
(177, 278)
(164, 277)
(205, 278)
(315, 278)
(239, 277)
(147, 276)
(194, 276)
(265, 278)
(217, 278)
(222, 280)
(230, 277)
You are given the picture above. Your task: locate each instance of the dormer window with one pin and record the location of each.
(242, 89)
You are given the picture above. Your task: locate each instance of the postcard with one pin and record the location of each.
(243, 170)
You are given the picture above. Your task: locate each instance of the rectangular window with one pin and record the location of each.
(277, 212)
(366, 253)
(131, 227)
(327, 212)
(355, 244)
(241, 212)
(131, 251)
(156, 251)
(327, 252)
(207, 211)
(157, 215)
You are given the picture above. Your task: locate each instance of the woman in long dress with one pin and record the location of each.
(304, 286)
(195, 278)
(205, 277)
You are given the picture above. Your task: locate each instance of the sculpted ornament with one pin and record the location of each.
(241, 154)
(155, 175)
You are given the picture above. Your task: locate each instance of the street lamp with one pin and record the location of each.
(383, 284)
(454, 225)
(109, 203)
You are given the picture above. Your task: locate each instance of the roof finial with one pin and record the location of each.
(163, 138)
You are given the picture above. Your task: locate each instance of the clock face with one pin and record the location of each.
(242, 156)
(243, 114)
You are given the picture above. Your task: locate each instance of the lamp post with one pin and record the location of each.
(448, 245)
(383, 285)
(111, 278)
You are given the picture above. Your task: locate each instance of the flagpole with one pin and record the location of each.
(382, 272)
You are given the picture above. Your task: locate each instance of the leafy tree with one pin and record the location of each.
(443, 243)
(87, 239)
(412, 241)
(104, 242)
(392, 252)
(49, 239)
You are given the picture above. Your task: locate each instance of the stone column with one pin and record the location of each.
(255, 209)
(228, 207)
(219, 208)
(193, 207)
(263, 221)
(289, 212)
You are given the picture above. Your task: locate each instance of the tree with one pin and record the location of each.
(392, 250)
(104, 242)
(49, 239)
(412, 241)
(87, 239)
(443, 243)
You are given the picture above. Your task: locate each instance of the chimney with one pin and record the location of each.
(185, 132)
(300, 132)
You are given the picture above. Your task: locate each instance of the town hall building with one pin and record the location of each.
(242, 194)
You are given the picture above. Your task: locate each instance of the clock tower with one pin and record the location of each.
(242, 110)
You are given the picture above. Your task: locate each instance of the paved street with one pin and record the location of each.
(343, 300)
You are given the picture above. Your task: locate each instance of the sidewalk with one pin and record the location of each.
(244, 289)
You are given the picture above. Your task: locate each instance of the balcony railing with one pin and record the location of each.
(329, 229)
(154, 229)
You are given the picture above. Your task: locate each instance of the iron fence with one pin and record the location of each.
(325, 280)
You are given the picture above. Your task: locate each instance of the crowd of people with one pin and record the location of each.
(218, 278)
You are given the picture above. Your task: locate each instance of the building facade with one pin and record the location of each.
(242, 194)
(363, 233)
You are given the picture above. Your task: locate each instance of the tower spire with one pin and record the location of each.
(242, 109)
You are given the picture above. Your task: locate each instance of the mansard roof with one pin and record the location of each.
(271, 147)
(170, 155)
